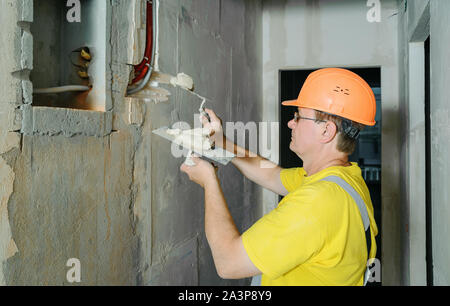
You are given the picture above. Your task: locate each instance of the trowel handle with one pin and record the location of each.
(206, 115)
(189, 162)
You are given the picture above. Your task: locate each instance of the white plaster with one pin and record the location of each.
(194, 139)
(182, 80)
(7, 245)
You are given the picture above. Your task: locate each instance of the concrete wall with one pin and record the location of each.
(418, 20)
(413, 31)
(218, 44)
(98, 186)
(313, 34)
(440, 145)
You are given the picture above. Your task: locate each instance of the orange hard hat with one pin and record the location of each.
(338, 92)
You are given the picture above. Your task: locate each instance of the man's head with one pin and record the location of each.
(313, 128)
(333, 106)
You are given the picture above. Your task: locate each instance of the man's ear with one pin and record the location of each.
(329, 131)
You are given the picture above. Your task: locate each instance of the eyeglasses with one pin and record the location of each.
(297, 117)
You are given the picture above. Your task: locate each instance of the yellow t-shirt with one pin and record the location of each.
(315, 236)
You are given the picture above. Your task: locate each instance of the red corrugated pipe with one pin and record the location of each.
(141, 69)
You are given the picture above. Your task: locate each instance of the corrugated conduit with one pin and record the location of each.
(145, 68)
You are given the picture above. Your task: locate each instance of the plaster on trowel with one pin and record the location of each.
(196, 140)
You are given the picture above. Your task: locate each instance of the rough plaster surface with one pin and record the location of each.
(15, 60)
(8, 141)
(205, 40)
(76, 204)
(99, 186)
(69, 122)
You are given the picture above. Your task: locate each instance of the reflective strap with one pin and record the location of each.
(362, 210)
(256, 280)
(355, 195)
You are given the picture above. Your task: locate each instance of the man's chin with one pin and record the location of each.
(291, 146)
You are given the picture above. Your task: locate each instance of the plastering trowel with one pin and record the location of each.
(196, 141)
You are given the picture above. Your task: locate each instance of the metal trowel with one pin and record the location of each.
(217, 154)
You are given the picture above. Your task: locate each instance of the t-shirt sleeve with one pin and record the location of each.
(287, 236)
(292, 178)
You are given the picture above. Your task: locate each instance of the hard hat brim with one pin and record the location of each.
(291, 103)
(298, 104)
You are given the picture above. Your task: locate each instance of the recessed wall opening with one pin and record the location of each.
(70, 49)
(368, 150)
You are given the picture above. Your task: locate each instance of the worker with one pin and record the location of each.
(318, 234)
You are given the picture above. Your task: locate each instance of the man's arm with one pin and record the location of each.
(257, 169)
(230, 258)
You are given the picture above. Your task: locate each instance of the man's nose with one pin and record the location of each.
(291, 124)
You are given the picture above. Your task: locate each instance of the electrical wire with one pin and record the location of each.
(142, 68)
(149, 40)
(144, 82)
(60, 89)
(148, 66)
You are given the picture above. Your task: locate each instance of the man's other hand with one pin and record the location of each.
(202, 173)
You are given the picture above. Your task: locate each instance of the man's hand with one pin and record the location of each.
(215, 126)
(202, 173)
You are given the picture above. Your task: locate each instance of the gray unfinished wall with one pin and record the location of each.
(418, 20)
(440, 130)
(308, 34)
(218, 44)
(98, 186)
(413, 31)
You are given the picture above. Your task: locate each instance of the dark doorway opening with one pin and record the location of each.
(429, 245)
(368, 151)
